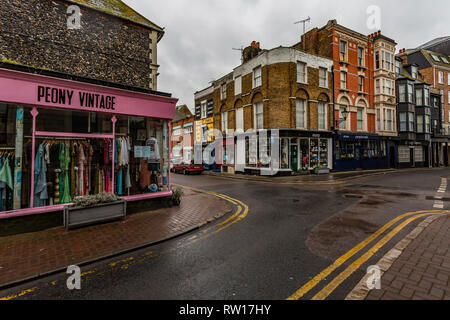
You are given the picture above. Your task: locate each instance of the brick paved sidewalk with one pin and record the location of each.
(29, 255)
(422, 270)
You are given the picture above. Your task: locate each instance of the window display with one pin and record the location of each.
(304, 151)
(314, 153)
(15, 157)
(284, 154)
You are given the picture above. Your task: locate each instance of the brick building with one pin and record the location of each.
(419, 119)
(115, 44)
(357, 145)
(88, 93)
(182, 135)
(285, 89)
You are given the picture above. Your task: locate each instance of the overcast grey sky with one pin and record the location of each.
(200, 34)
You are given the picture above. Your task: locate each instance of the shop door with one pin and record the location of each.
(294, 157)
(411, 158)
(358, 157)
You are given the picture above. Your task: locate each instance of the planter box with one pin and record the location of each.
(78, 217)
(322, 171)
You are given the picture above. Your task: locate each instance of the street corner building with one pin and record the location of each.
(80, 113)
(336, 100)
(278, 98)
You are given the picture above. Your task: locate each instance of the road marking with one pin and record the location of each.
(15, 296)
(329, 288)
(322, 275)
(240, 213)
(438, 203)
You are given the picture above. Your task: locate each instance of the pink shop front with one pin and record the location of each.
(61, 139)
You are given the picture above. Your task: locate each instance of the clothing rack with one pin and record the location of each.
(57, 138)
(7, 149)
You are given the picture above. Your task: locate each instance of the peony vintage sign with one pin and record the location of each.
(70, 98)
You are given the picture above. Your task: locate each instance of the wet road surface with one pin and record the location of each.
(290, 234)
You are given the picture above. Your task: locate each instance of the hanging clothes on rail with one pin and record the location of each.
(64, 158)
(6, 184)
(40, 196)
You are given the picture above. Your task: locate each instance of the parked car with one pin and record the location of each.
(186, 168)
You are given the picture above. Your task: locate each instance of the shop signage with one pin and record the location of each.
(82, 99)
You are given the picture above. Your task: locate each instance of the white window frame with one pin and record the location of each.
(322, 115)
(204, 109)
(441, 77)
(238, 85)
(223, 91)
(361, 85)
(343, 79)
(258, 112)
(323, 82)
(362, 64)
(240, 119)
(345, 58)
(301, 108)
(225, 122)
(302, 77)
(358, 120)
(420, 123)
(257, 77)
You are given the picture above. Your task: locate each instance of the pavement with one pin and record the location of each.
(288, 240)
(27, 256)
(418, 268)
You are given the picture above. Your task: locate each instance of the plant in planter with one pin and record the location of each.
(176, 196)
(92, 209)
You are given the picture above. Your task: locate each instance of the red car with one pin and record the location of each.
(186, 168)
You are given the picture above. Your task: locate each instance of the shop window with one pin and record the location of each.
(324, 153)
(284, 153)
(15, 157)
(304, 153)
(314, 158)
(141, 159)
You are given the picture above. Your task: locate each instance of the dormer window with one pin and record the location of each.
(414, 72)
(398, 65)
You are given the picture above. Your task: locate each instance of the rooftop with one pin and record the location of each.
(119, 9)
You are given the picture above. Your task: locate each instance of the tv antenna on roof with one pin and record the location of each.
(242, 53)
(304, 23)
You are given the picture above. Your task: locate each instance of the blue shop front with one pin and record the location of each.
(362, 152)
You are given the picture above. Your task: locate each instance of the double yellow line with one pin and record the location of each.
(333, 284)
(240, 213)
